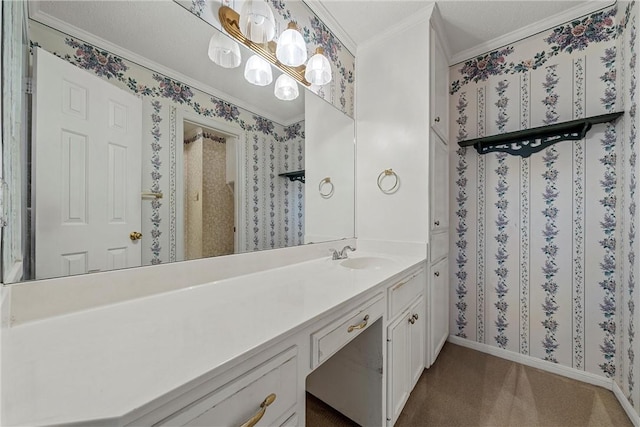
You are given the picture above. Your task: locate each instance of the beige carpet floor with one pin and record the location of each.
(469, 388)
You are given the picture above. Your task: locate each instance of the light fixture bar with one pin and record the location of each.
(230, 20)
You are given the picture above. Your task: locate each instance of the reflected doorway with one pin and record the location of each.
(209, 162)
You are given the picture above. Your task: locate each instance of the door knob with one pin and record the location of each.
(135, 235)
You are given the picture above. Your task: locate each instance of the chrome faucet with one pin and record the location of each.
(342, 254)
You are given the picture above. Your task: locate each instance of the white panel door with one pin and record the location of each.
(439, 200)
(439, 319)
(416, 341)
(398, 372)
(439, 88)
(86, 175)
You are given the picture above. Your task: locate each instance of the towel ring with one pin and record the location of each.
(385, 173)
(326, 194)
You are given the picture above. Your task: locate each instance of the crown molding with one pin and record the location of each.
(579, 10)
(297, 119)
(418, 17)
(43, 18)
(332, 23)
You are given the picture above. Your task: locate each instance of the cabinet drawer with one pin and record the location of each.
(292, 421)
(439, 246)
(238, 401)
(331, 338)
(402, 293)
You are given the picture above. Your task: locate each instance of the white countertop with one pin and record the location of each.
(106, 362)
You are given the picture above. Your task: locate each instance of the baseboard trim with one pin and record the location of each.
(534, 362)
(626, 405)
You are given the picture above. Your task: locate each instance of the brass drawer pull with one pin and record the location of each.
(360, 325)
(401, 284)
(263, 408)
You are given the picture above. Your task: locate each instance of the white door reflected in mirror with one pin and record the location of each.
(86, 182)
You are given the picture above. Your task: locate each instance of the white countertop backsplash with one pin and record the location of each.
(106, 361)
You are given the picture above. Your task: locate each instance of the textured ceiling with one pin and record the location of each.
(471, 23)
(467, 24)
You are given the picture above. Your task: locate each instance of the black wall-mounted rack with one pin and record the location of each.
(294, 176)
(526, 142)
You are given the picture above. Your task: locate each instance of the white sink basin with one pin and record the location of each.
(366, 263)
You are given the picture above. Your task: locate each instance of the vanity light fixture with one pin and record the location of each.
(318, 70)
(236, 26)
(291, 49)
(286, 88)
(224, 51)
(257, 71)
(257, 22)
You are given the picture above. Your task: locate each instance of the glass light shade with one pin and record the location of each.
(224, 51)
(291, 48)
(257, 71)
(257, 22)
(318, 70)
(286, 88)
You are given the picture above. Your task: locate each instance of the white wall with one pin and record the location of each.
(392, 129)
(329, 153)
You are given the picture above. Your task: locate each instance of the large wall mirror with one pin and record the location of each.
(143, 151)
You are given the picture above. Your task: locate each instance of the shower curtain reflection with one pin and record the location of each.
(208, 196)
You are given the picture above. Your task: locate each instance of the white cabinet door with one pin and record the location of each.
(406, 356)
(439, 319)
(439, 89)
(398, 374)
(439, 191)
(416, 341)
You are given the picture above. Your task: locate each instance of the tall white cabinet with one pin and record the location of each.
(438, 280)
(402, 124)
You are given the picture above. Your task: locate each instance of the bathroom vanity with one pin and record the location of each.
(232, 351)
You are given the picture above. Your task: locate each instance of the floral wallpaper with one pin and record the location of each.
(537, 242)
(274, 207)
(340, 91)
(574, 36)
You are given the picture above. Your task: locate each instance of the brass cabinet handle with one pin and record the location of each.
(412, 320)
(415, 316)
(437, 120)
(151, 194)
(360, 325)
(263, 408)
(135, 235)
(437, 274)
(401, 284)
(437, 223)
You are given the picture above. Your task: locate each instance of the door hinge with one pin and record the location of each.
(28, 85)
